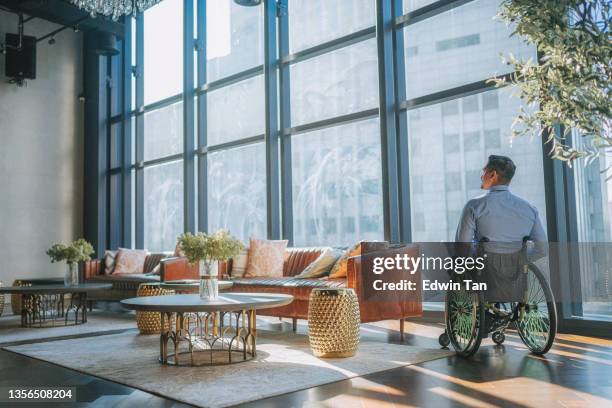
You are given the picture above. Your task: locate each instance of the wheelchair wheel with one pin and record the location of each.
(537, 317)
(498, 338)
(444, 340)
(465, 321)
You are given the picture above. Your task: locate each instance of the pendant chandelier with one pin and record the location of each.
(113, 8)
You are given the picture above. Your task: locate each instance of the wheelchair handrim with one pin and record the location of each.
(463, 320)
(536, 322)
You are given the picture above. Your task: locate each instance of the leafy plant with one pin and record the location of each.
(569, 88)
(207, 248)
(78, 251)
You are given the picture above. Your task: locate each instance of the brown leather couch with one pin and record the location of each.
(296, 261)
(126, 286)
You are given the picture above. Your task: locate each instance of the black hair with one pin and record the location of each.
(503, 166)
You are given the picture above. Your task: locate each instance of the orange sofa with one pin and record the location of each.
(297, 259)
(126, 286)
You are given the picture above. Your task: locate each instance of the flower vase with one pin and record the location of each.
(71, 276)
(209, 284)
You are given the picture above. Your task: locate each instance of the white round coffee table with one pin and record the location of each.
(215, 332)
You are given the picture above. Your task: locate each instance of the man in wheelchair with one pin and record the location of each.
(498, 224)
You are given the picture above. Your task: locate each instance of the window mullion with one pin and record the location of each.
(271, 123)
(202, 198)
(139, 130)
(384, 38)
(188, 119)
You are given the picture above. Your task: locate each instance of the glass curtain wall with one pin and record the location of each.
(335, 161)
(234, 120)
(331, 129)
(455, 120)
(333, 170)
(592, 192)
(161, 142)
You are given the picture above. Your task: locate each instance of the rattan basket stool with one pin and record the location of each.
(150, 322)
(333, 322)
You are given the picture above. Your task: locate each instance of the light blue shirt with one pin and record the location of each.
(504, 219)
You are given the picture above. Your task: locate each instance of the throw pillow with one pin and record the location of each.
(109, 262)
(156, 270)
(129, 261)
(239, 264)
(340, 268)
(322, 265)
(266, 258)
(178, 252)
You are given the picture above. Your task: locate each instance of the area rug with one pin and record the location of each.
(11, 331)
(283, 364)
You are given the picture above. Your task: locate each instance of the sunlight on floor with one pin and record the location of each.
(460, 398)
(524, 391)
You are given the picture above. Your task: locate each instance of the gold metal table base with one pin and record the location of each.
(204, 339)
(50, 309)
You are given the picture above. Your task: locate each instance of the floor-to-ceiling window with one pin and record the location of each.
(329, 99)
(336, 176)
(162, 131)
(336, 168)
(455, 120)
(592, 192)
(235, 120)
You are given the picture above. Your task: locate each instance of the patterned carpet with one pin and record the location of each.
(283, 364)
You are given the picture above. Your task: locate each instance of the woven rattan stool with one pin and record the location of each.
(150, 322)
(333, 322)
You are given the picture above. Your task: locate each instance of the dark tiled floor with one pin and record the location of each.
(577, 372)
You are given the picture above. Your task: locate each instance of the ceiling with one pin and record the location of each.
(64, 13)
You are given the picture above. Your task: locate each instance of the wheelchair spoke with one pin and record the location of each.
(462, 309)
(534, 322)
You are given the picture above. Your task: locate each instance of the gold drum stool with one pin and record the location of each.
(150, 322)
(333, 322)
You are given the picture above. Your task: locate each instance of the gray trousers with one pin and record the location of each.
(505, 277)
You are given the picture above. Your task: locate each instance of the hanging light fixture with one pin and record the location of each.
(248, 3)
(113, 8)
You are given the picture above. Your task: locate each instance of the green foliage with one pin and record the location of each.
(78, 251)
(570, 88)
(219, 246)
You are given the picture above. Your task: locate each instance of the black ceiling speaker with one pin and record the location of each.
(248, 3)
(20, 62)
(107, 44)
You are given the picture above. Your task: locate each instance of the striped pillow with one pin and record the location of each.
(239, 263)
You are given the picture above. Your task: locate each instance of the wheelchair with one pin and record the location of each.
(470, 318)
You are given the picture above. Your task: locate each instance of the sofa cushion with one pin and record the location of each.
(340, 268)
(178, 252)
(130, 261)
(129, 277)
(239, 264)
(298, 259)
(109, 261)
(322, 265)
(266, 258)
(151, 264)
